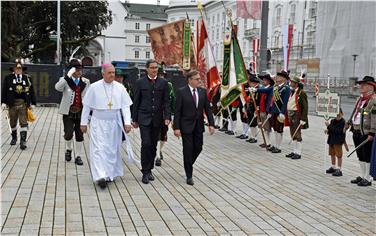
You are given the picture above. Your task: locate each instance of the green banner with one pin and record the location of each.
(226, 62)
(231, 96)
(187, 45)
(241, 73)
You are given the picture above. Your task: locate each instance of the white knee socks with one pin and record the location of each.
(79, 148)
(278, 140)
(245, 128)
(267, 137)
(69, 144)
(298, 149)
(253, 132)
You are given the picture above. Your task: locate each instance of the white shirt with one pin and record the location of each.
(196, 92)
(152, 78)
(19, 78)
(356, 118)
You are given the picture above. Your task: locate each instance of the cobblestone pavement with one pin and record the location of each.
(240, 189)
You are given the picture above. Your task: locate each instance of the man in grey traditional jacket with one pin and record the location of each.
(73, 86)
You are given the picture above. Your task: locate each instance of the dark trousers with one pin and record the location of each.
(277, 126)
(363, 153)
(18, 112)
(192, 147)
(72, 123)
(149, 140)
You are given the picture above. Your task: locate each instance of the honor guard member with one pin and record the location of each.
(244, 113)
(265, 98)
(278, 104)
(225, 120)
(232, 118)
(297, 110)
(73, 86)
(164, 129)
(363, 126)
(251, 111)
(216, 106)
(18, 94)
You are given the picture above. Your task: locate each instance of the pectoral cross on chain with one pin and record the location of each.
(110, 105)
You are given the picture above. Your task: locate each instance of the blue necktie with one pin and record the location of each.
(76, 81)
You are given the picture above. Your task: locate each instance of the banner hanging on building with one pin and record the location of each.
(248, 9)
(287, 31)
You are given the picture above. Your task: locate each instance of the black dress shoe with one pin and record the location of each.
(244, 137)
(239, 136)
(190, 181)
(223, 129)
(296, 157)
(364, 183)
(78, 161)
(229, 132)
(252, 140)
(331, 170)
(271, 148)
(68, 155)
(290, 155)
(356, 180)
(264, 146)
(151, 177)
(216, 127)
(102, 183)
(145, 178)
(276, 150)
(337, 173)
(158, 162)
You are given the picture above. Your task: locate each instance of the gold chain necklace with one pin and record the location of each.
(109, 104)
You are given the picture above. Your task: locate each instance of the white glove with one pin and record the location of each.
(302, 122)
(32, 107)
(252, 89)
(281, 116)
(218, 104)
(172, 118)
(71, 71)
(4, 106)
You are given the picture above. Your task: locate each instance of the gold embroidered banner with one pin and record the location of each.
(167, 44)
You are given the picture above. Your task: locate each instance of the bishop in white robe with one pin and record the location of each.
(110, 105)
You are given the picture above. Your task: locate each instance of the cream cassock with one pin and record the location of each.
(110, 103)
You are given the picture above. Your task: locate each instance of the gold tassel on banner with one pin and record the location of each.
(30, 115)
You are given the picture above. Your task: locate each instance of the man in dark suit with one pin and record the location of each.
(151, 108)
(191, 104)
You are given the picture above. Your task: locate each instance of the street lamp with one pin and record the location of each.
(354, 56)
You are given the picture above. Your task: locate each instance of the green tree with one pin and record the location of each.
(26, 27)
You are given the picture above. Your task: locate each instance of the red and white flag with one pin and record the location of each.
(287, 43)
(206, 62)
(248, 9)
(256, 48)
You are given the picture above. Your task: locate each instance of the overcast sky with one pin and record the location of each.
(163, 2)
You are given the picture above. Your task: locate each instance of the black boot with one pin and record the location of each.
(23, 135)
(14, 138)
